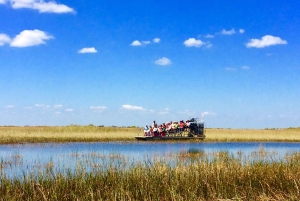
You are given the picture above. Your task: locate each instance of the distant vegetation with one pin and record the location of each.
(92, 133)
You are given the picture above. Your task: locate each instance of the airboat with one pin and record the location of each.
(195, 131)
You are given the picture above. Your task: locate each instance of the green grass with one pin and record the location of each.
(193, 177)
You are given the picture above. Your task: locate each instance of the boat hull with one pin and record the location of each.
(149, 138)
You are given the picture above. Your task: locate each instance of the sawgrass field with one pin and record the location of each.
(194, 175)
(73, 133)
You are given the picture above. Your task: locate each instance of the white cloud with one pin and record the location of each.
(209, 45)
(209, 36)
(146, 42)
(207, 113)
(87, 50)
(9, 106)
(41, 6)
(2, 1)
(30, 38)
(132, 107)
(69, 110)
(163, 61)
(229, 32)
(57, 106)
(265, 41)
(4, 39)
(192, 42)
(230, 69)
(242, 31)
(98, 107)
(39, 105)
(156, 40)
(136, 43)
(245, 67)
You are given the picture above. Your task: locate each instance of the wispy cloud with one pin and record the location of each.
(192, 42)
(229, 32)
(163, 61)
(156, 40)
(41, 5)
(136, 43)
(9, 106)
(39, 105)
(98, 107)
(30, 38)
(87, 50)
(2, 1)
(206, 113)
(57, 106)
(230, 69)
(265, 41)
(69, 110)
(4, 39)
(242, 31)
(132, 107)
(245, 67)
(146, 42)
(209, 36)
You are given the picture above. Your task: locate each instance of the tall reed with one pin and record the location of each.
(193, 176)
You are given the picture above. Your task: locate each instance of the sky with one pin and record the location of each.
(233, 64)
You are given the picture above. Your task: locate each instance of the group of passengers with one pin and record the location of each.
(161, 130)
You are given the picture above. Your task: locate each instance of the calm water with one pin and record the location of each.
(23, 159)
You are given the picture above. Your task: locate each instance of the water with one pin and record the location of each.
(17, 160)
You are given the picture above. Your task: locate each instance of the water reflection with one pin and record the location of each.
(20, 160)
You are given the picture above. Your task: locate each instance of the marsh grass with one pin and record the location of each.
(11, 135)
(223, 177)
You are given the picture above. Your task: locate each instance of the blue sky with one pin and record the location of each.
(236, 63)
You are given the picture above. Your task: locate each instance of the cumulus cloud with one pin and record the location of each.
(136, 43)
(163, 61)
(156, 40)
(132, 107)
(4, 39)
(192, 42)
(87, 50)
(229, 32)
(30, 38)
(2, 1)
(265, 41)
(242, 31)
(41, 5)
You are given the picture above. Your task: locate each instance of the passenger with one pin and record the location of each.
(150, 131)
(154, 124)
(155, 131)
(175, 125)
(187, 123)
(146, 130)
(181, 125)
(168, 126)
(163, 130)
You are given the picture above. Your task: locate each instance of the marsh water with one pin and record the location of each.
(17, 160)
